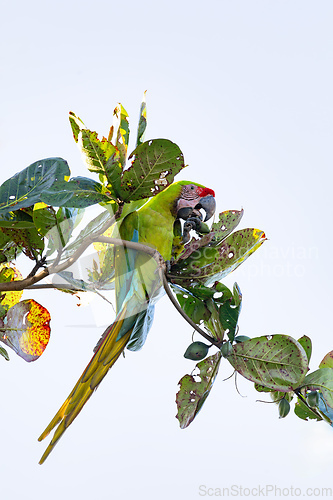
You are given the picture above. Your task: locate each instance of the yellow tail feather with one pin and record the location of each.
(104, 358)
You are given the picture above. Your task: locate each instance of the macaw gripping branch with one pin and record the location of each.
(150, 236)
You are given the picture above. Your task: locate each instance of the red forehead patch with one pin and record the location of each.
(205, 192)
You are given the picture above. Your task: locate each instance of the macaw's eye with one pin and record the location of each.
(192, 187)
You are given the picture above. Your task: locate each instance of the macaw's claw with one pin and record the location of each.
(193, 223)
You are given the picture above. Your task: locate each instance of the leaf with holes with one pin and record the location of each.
(154, 165)
(276, 361)
(26, 329)
(229, 312)
(25, 188)
(95, 152)
(100, 156)
(193, 245)
(193, 307)
(305, 412)
(227, 222)
(119, 132)
(212, 263)
(192, 393)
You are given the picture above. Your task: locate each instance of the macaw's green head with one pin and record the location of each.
(193, 197)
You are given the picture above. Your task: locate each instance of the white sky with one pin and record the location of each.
(245, 89)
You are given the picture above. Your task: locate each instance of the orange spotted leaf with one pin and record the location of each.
(26, 329)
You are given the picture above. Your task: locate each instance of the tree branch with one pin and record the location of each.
(11, 286)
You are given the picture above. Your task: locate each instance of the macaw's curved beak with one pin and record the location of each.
(189, 208)
(208, 203)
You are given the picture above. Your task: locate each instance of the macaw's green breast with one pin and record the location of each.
(156, 230)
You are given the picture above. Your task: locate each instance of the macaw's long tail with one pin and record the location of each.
(107, 353)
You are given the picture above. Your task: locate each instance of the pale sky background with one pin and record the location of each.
(244, 87)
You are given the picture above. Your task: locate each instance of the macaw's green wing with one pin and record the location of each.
(125, 258)
(141, 328)
(137, 284)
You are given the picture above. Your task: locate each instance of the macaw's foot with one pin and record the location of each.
(192, 223)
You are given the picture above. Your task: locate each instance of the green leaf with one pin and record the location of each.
(192, 394)
(228, 221)
(200, 291)
(44, 218)
(327, 361)
(142, 121)
(304, 412)
(229, 312)
(16, 220)
(306, 343)
(213, 323)
(79, 192)
(241, 338)
(153, 168)
(4, 353)
(26, 187)
(28, 240)
(321, 380)
(237, 295)
(8, 248)
(212, 263)
(262, 388)
(195, 308)
(276, 361)
(119, 133)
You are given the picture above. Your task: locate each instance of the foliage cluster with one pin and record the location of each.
(41, 208)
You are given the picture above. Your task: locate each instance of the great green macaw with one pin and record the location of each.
(137, 288)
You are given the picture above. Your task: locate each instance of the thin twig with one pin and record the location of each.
(43, 286)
